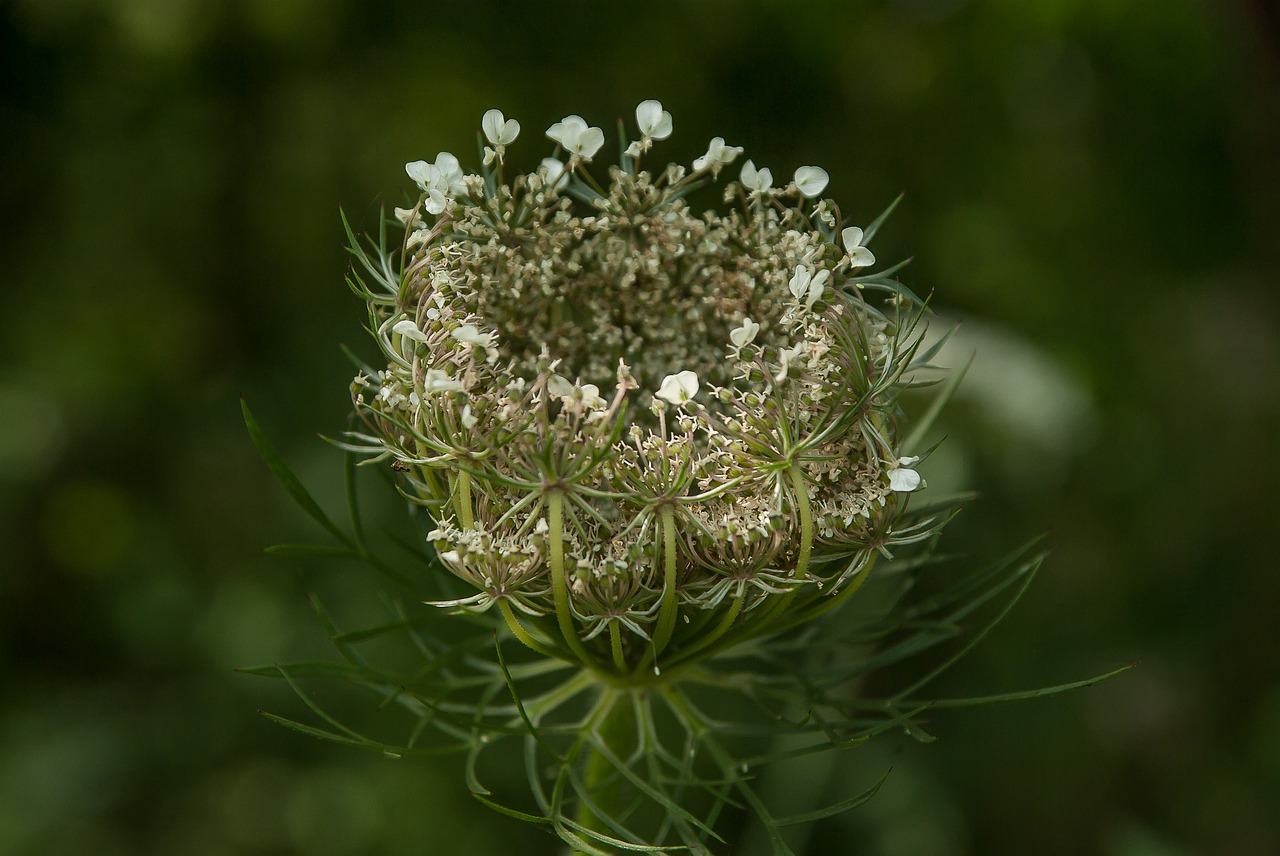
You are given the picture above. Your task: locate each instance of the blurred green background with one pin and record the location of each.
(1092, 187)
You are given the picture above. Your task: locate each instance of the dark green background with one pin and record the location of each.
(1092, 185)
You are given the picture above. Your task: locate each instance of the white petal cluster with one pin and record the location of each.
(439, 181)
(807, 286)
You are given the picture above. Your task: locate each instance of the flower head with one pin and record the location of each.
(632, 364)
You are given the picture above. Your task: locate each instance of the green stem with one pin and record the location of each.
(615, 643)
(518, 630)
(667, 611)
(806, 520)
(559, 585)
(613, 726)
(462, 500)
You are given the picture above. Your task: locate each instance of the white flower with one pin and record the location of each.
(409, 216)
(498, 129)
(559, 387)
(756, 180)
(678, 388)
(635, 149)
(556, 176)
(811, 180)
(449, 174)
(654, 122)
(807, 286)
(902, 478)
(787, 357)
(577, 137)
(420, 171)
(440, 181)
(468, 419)
(718, 156)
(470, 334)
(744, 335)
(450, 556)
(591, 396)
(437, 381)
(859, 256)
(409, 329)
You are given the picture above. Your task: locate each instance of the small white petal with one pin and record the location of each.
(816, 287)
(903, 480)
(470, 334)
(852, 237)
(811, 180)
(498, 129)
(589, 142)
(559, 386)
(678, 388)
(556, 176)
(591, 396)
(744, 335)
(450, 556)
(420, 171)
(654, 122)
(633, 150)
(799, 284)
(435, 202)
(861, 257)
(756, 180)
(409, 329)
(468, 420)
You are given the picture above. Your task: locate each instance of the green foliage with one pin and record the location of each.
(657, 765)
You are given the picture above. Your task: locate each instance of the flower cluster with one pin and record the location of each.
(643, 432)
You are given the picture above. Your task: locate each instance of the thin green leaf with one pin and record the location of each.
(870, 231)
(285, 476)
(1025, 695)
(925, 422)
(510, 812)
(837, 808)
(314, 550)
